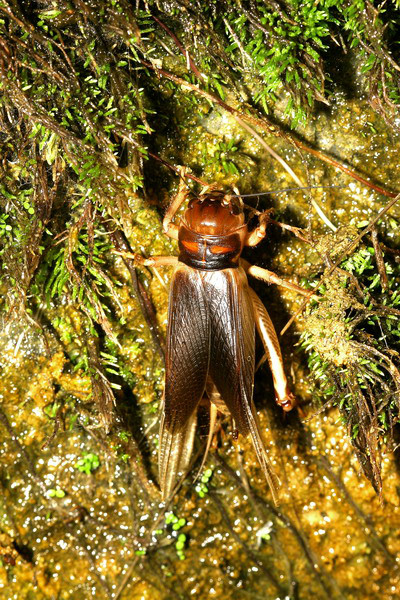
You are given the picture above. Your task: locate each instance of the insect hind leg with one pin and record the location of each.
(266, 330)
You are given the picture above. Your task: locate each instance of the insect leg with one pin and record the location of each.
(266, 330)
(271, 277)
(211, 431)
(171, 229)
(255, 236)
(156, 261)
(216, 404)
(297, 231)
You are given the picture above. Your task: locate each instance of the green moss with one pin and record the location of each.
(352, 339)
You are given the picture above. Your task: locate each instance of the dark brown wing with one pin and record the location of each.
(232, 354)
(232, 341)
(187, 359)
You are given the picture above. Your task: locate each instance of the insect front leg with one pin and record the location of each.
(171, 229)
(266, 330)
(155, 261)
(255, 236)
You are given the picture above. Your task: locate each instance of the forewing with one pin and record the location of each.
(232, 355)
(176, 447)
(232, 341)
(187, 360)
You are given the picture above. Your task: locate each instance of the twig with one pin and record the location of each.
(185, 53)
(176, 170)
(380, 263)
(331, 161)
(101, 389)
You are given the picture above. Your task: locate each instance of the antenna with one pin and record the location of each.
(309, 187)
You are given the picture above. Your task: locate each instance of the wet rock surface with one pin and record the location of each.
(80, 509)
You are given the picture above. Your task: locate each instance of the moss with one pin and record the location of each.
(352, 338)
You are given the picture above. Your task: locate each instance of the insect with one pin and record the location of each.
(212, 317)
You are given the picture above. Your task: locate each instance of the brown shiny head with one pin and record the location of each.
(214, 213)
